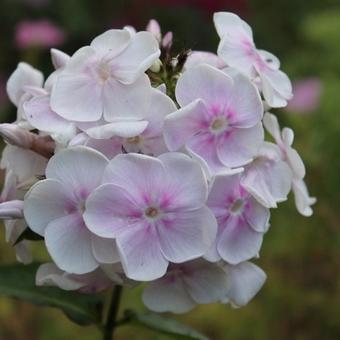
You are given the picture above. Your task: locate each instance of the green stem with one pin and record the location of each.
(110, 323)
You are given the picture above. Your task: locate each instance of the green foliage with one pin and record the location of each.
(164, 325)
(18, 281)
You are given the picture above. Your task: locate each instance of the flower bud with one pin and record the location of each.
(156, 66)
(167, 40)
(154, 28)
(17, 136)
(11, 210)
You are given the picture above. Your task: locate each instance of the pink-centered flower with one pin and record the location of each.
(220, 118)
(54, 208)
(102, 76)
(237, 49)
(242, 221)
(155, 210)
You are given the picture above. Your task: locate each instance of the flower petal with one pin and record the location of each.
(180, 125)
(239, 241)
(46, 201)
(206, 282)
(69, 243)
(79, 168)
(113, 41)
(245, 104)
(24, 75)
(186, 184)
(167, 294)
(141, 254)
(184, 236)
(126, 102)
(39, 115)
(240, 146)
(245, 280)
(109, 210)
(104, 250)
(120, 129)
(257, 216)
(204, 82)
(140, 54)
(139, 175)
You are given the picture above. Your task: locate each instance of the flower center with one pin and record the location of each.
(152, 212)
(104, 71)
(134, 140)
(219, 124)
(81, 207)
(237, 207)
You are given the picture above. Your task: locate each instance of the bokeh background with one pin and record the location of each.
(301, 298)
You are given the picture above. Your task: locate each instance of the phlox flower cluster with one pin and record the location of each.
(136, 166)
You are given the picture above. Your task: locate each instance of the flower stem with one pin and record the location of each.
(110, 323)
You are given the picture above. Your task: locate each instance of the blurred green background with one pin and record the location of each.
(301, 298)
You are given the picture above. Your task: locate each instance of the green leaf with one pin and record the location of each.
(28, 234)
(164, 325)
(18, 281)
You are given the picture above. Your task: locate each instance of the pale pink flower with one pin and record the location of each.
(268, 178)
(54, 208)
(284, 139)
(237, 49)
(242, 221)
(41, 33)
(306, 95)
(102, 76)
(185, 285)
(155, 209)
(220, 118)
